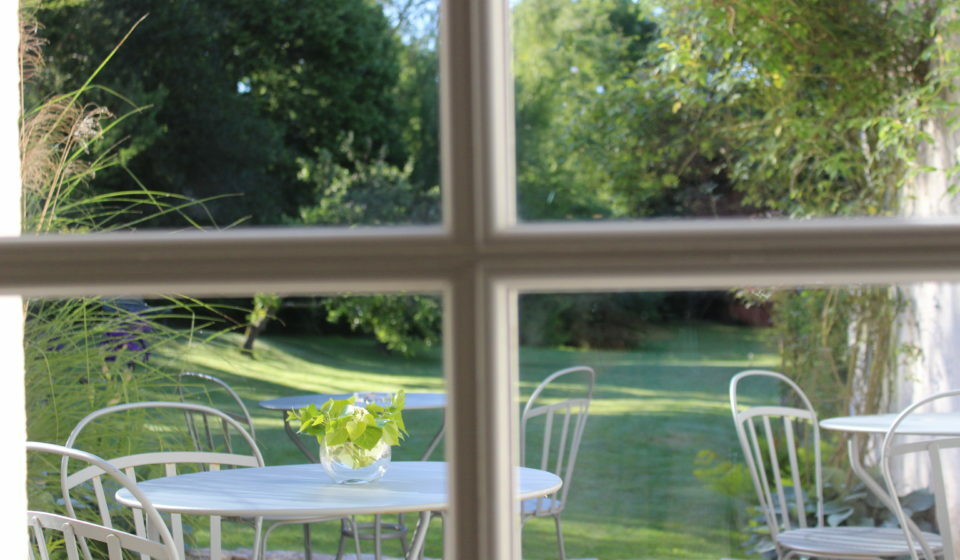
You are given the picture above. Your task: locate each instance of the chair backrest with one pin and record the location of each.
(936, 451)
(563, 423)
(74, 533)
(205, 388)
(172, 458)
(770, 436)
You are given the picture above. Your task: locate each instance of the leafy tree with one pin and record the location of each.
(240, 91)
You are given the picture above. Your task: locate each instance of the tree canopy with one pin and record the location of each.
(242, 95)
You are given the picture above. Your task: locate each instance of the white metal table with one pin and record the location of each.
(413, 401)
(304, 491)
(930, 424)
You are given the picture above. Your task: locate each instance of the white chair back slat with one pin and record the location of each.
(758, 472)
(170, 469)
(931, 448)
(575, 449)
(75, 532)
(563, 426)
(775, 412)
(129, 463)
(39, 538)
(70, 542)
(774, 461)
(225, 434)
(547, 441)
(562, 444)
(795, 472)
(139, 524)
(101, 501)
(114, 550)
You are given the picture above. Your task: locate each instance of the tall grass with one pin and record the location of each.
(86, 353)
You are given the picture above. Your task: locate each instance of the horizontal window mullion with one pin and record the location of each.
(703, 253)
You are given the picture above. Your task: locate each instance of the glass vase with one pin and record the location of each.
(348, 463)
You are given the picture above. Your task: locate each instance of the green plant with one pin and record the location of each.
(343, 421)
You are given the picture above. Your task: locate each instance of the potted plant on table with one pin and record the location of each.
(355, 437)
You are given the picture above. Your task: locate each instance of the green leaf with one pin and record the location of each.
(356, 428)
(338, 436)
(391, 434)
(370, 438)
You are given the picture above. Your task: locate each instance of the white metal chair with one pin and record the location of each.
(924, 545)
(772, 433)
(75, 533)
(168, 461)
(194, 386)
(205, 387)
(558, 449)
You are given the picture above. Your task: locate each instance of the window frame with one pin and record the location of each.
(480, 259)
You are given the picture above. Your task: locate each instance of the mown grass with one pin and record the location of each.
(634, 494)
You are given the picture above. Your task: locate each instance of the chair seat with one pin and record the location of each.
(852, 542)
(531, 507)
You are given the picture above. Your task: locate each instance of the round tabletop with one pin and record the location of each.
(929, 424)
(413, 401)
(307, 491)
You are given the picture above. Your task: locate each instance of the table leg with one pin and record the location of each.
(879, 491)
(415, 552)
(296, 439)
(436, 438)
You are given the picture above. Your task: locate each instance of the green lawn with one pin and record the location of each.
(634, 494)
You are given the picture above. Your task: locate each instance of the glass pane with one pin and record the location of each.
(279, 113)
(659, 472)
(255, 359)
(698, 109)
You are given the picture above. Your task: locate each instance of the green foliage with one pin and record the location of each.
(339, 422)
(612, 321)
(720, 475)
(403, 324)
(364, 191)
(237, 90)
(818, 106)
(841, 345)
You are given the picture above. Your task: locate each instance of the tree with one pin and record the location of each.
(236, 105)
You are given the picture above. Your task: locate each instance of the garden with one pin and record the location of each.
(140, 116)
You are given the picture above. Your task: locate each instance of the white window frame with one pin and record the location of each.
(479, 259)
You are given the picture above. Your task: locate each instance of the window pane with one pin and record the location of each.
(659, 472)
(237, 355)
(690, 108)
(279, 114)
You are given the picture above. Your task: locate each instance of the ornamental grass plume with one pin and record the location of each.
(86, 353)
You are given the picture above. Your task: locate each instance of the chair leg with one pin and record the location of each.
(259, 553)
(307, 544)
(262, 550)
(560, 547)
(403, 539)
(342, 539)
(356, 536)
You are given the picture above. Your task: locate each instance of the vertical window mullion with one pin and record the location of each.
(477, 155)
